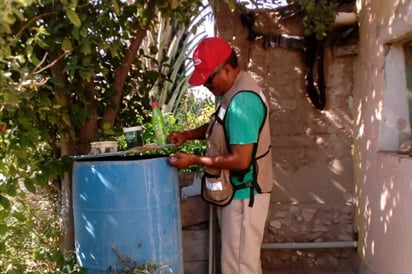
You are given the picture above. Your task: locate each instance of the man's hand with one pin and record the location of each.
(177, 137)
(181, 160)
(180, 137)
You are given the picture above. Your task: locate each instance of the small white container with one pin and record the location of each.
(103, 147)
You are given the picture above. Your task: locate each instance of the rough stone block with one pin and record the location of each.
(194, 211)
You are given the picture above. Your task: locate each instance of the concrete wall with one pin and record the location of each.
(383, 179)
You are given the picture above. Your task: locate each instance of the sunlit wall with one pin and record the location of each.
(383, 173)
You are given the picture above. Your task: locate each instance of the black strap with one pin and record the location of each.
(264, 154)
(251, 185)
(313, 58)
(208, 175)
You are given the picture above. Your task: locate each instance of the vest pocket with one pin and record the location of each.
(215, 190)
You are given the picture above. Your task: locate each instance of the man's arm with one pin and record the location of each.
(238, 158)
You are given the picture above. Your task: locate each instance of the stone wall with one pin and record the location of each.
(310, 223)
(310, 261)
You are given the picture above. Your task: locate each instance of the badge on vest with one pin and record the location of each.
(213, 186)
(221, 113)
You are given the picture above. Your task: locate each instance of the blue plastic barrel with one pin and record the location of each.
(128, 207)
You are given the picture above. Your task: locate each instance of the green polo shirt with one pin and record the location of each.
(244, 116)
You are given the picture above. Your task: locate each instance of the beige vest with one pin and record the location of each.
(217, 141)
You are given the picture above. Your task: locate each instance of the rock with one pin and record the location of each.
(308, 214)
(275, 224)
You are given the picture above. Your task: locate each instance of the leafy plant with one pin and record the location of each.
(319, 16)
(30, 235)
(130, 266)
(174, 43)
(194, 112)
(65, 69)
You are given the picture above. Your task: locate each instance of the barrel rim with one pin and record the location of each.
(111, 157)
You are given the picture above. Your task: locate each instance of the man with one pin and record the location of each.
(239, 141)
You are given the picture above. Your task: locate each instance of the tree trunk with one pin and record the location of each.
(67, 242)
(68, 147)
(121, 76)
(89, 130)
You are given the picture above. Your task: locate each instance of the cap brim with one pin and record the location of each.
(199, 77)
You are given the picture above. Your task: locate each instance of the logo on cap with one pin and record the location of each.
(196, 61)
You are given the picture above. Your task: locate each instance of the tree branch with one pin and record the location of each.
(122, 71)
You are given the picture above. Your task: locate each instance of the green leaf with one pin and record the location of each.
(86, 48)
(308, 32)
(76, 33)
(19, 216)
(18, 13)
(32, 57)
(4, 202)
(3, 229)
(83, 32)
(174, 4)
(66, 119)
(73, 17)
(67, 44)
(24, 121)
(73, 4)
(53, 118)
(86, 61)
(232, 5)
(11, 98)
(9, 19)
(56, 80)
(116, 8)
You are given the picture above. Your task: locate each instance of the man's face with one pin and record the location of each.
(217, 83)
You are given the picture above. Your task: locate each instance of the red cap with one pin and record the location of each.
(209, 54)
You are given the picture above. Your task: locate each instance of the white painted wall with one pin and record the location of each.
(383, 179)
